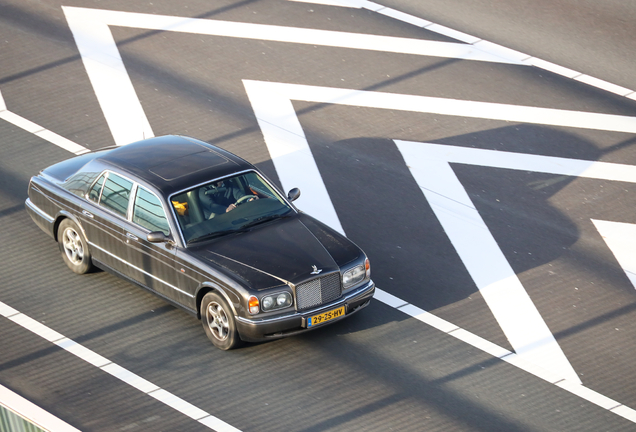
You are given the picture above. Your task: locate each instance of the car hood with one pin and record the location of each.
(271, 255)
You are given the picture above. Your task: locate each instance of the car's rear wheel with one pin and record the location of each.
(74, 247)
(218, 322)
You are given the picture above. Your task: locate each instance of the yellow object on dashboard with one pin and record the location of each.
(181, 208)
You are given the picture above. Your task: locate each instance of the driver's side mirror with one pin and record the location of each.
(157, 237)
(293, 194)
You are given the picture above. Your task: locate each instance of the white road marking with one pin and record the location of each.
(97, 72)
(620, 237)
(498, 284)
(486, 46)
(38, 130)
(111, 368)
(289, 150)
(294, 162)
(452, 107)
(537, 351)
(113, 87)
(478, 342)
(108, 76)
(33, 413)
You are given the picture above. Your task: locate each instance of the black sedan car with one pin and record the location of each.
(206, 231)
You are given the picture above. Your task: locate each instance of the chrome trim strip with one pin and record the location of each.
(143, 271)
(308, 312)
(40, 212)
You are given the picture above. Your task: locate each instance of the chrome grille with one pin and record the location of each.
(318, 291)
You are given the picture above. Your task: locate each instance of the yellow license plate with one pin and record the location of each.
(326, 316)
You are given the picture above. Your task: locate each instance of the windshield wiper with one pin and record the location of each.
(264, 219)
(214, 235)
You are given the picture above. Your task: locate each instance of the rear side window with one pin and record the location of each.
(115, 194)
(79, 183)
(149, 213)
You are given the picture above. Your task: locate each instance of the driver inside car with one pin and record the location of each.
(221, 197)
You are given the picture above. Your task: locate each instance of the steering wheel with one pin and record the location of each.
(243, 199)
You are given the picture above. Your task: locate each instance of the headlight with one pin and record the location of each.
(276, 301)
(354, 276)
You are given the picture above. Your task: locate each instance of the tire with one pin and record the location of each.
(218, 322)
(74, 247)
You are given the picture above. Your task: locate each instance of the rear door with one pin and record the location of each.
(103, 218)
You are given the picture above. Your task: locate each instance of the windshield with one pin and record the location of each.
(226, 206)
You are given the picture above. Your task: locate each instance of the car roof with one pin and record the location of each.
(173, 163)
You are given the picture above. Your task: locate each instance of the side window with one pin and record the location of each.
(148, 212)
(79, 183)
(116, 193)
(93, 195)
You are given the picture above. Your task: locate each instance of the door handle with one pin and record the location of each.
(85, 213)
(132, 236)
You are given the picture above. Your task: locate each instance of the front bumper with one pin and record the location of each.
(255, 330)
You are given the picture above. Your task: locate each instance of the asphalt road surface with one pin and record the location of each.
(494, 192)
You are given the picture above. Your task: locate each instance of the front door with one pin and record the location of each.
(151, 264)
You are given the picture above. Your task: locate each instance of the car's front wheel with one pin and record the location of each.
(218, 322)
(74, 247)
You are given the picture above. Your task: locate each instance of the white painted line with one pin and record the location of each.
(217, 425)
(501, 51)
(401, 16)
(604, 85)
(36, 327)
(529, 162)
(20, 122)
(129, 378)
(296, 167)
(443, 106)
(357, 4)
(109, 78)
(483, 45)
(43, 133)
(480, 343)
(553, 377)
(102, 44)
(33, 413)
(496, 280)
(109, 367)
(62, 142)
(551, 67)
(625, 412)
(513, 359)
(3, 105)
(428, 318)
(82, 352)
(179, 404)
(374, 7)
(621, 239)
(116, 94)
(82, 21)
(589, 395)
(290, 152)
(539, 355)
(513, 309)
(388, 299)
(452, 33)
(7, 311)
